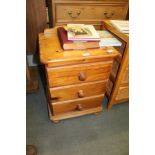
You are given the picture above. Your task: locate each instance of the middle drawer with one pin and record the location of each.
(70, 92)
(76, 74)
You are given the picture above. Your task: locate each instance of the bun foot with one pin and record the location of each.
(96, 113)
(56, 121)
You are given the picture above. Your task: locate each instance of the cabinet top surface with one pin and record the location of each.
(51, 51)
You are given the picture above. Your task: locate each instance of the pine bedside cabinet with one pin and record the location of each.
(76, 79)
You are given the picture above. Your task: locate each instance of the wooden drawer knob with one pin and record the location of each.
(80, 93)
(79, 107)
(82, 76)
(54, 98)
(74, 13)
(108, 15)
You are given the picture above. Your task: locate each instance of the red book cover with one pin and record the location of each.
(70, 45)
(62, 34)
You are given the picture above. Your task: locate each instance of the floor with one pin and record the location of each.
(104, 134)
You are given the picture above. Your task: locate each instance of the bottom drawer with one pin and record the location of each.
(76, 105)
(123, 93)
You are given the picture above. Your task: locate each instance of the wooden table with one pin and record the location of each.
(76, 79)
(118, 84)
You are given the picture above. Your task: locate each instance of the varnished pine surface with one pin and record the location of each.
(77, 77)
(72, 105)
(73, 91)
(57, 118)
(87, 11)
(120, 90)
(60, 76)
(123, 93)
(52, 54)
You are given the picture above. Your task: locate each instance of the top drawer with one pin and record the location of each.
(90, 12)
(74, 74)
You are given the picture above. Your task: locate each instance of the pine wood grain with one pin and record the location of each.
(60, 76)
(57, 118)
(70, 92)
(87, 11)
(120, 89)
(53, 55)
(76, 79)
(72, 105)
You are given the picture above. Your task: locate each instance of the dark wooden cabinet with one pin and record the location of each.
(36, 20)
(35, 23)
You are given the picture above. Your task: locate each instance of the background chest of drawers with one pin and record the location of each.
(77, 79)
(87, 11)
(118, 84)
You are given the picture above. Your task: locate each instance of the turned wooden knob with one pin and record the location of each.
(82, 76)
(79, 107)
(80, 93)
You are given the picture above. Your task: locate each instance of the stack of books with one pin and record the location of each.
(78, 36)
(121, 25)
(107, 39)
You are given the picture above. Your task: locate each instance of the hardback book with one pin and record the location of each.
(90, 32)
(107, 39)
(109, 42)
(74, 44)
(121, 25)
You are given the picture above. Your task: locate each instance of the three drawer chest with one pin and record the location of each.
(76, 79)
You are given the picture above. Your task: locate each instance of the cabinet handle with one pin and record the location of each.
(82, 76)
(79, 107)
(74, 14)
(81, 93)
(108, 15)
(54, 98)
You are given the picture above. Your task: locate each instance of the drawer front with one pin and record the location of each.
(76, 105)
(76, 74)
(126, 76)
(123, 93)
(89, 12)
(77, 91)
